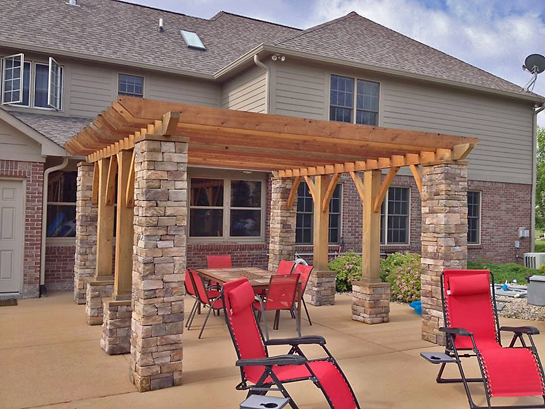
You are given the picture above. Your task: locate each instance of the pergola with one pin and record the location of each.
(146, 146)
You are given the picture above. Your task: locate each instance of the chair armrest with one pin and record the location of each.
(306, 340)
(456, 331)
(521, 330)
(279, 360)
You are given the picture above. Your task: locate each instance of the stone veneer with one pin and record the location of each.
(116, 327)
(321, 288)
(371, 302)
(160, 216)
(96, 292)
(444, 238)
(282, 223)
(86, 232)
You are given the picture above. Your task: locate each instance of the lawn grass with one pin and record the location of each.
(505, 272)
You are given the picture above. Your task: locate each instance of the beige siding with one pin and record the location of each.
(245, 92)
(176, 89)
(503, 126)
(89, 90)
(14, 145)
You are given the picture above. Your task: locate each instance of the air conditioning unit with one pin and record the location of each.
(534, 260)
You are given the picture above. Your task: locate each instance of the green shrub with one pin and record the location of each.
(540, 246)
(402, 271)
(348, 269)
(505, 272)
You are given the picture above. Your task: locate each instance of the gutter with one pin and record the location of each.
(267, 76)
(534, 179)
(44, 221)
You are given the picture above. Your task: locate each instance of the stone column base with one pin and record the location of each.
(432, 320)
(371, 302)
(80, 290)
(321, 288)
(116, 327)
(96, 291)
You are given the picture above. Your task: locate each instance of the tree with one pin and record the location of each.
(540, 179)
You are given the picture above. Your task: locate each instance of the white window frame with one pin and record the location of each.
(355, 96)
(227, 178)
(132, 75)
(479, 225)
(55, 79)
(21, 77)
(385, 204)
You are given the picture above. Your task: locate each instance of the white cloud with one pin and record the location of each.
(493, 35)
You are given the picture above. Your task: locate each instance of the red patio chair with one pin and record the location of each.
(223, 261)
(260, 372)
(207, 298)
(190, 290)
(280, 295)
(304, 275)
(285, 267)
(472, 330)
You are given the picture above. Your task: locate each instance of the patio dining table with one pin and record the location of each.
(258, 278)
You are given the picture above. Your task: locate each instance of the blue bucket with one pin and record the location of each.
(417, 305)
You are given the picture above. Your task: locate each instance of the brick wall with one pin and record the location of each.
(59, 267)
(33, 173)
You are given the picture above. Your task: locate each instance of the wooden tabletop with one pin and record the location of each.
(257, 276)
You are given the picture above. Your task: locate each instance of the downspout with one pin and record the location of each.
(44, 221)
(534, 179)
(267, 75)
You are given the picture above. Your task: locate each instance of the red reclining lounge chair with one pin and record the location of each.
(472, 330)
(264, 372)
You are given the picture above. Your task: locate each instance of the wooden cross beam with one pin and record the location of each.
(384, 189)
(293, 192)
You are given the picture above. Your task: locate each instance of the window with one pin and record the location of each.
(131, 85)
(473, 217)
(38, 85)
(395, 216)
(192, 40)
(226, 208)
(61, 204)
(305, 217)
(342, 94)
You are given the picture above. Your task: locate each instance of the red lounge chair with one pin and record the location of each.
(207, 298)
(472, 330)
(264, 372)
(285, 267)
(280, 295)
(304, 275)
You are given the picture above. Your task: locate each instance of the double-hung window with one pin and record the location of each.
(305, 216)
(228, 208)
(347, 93)
(28, 84)
(131, 85)
(394, 228)
(473, 217)
(61, 204)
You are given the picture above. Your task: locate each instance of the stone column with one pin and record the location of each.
(282, 223)
(86, 232)
(160, 216)
(444, 237)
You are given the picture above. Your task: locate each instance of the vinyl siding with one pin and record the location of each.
(503, 126)
(90, 90)
(14, 145)
(245, 92)
(176, 89)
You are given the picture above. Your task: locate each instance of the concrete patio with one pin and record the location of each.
(50, 357)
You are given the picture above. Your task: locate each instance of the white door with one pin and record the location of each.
(11, 235)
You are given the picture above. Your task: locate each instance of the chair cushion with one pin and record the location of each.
(241, 297)
(469, 284)
(512, 372)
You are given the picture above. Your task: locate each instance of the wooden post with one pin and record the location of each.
(105, 228)
(321, 224)
(125, 230)
(371, 227)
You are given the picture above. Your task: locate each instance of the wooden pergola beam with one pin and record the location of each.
(293, 192)
(384, 189)
(417, 175)
(329, 191)
(110, 184)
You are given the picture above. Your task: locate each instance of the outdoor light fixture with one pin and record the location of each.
(276, 57)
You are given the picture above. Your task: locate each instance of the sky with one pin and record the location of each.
(495, 35)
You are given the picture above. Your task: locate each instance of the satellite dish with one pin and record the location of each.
(535, 64)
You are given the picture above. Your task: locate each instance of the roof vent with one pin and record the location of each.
(161, 27)
(73, 2)
(192, 40)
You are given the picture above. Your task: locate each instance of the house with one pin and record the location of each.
(64, 62)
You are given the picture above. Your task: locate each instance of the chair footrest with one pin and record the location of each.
(437, 357)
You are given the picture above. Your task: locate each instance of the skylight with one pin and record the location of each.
(192, 40)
